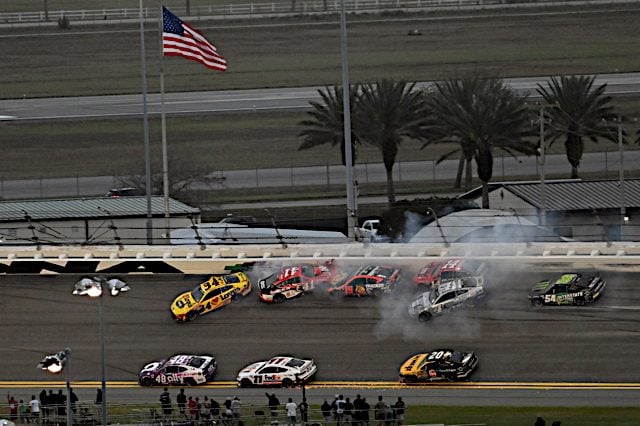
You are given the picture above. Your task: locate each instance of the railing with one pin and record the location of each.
(292, 7)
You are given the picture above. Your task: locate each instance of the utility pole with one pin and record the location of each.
(543, 188)
(623, 209)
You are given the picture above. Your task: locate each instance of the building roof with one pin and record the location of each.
(572, 195)
(89, 208)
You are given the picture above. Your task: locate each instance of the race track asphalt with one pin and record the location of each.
(362, 340)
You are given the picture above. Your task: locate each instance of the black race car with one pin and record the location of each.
(567, 289)
(438, 365)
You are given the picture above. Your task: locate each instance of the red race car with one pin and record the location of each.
(296, 280)
(370, 280)
(431, 274)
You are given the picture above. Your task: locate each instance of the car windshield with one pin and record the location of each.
(231, 279)
(456, 357)
(307, 270)
(444, 275)
(197, 294)
(197, 362)
(294, 362)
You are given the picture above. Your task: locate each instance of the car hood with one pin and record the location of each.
(539, 288)
(421, 302)
(183, 303)
(412, 365)
(250, 369)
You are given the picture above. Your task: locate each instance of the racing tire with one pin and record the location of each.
(191, 315)
(278, 298)
(245, 383)
(146, 381)
(190, 381)
(580, 301)
(588, 298)
(376, 293)
(536, 302)
(235, 298)
(287, 383)
(335, 293)
(424, 317)
(410, 379)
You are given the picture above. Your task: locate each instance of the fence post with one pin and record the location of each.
(328, 176)
(606, 164)
(433, 168)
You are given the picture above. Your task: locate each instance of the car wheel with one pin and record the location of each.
(424, 317)
(536, 302)
(191, 315)
(410, 379)
(588, 298)
(278, 298)
(189, 381)
(580, 301)
(146, 381)
(287, 383)
(235, 298)
(376, 293)
(245, 383)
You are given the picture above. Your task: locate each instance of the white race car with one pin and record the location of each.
(283, 371)
(179, 370)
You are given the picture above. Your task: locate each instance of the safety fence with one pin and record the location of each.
(89, 413)
(282, 8)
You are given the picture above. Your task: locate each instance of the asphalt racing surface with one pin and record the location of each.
(353, 340)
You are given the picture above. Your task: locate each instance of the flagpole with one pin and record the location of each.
(147, 155)
(163, 121)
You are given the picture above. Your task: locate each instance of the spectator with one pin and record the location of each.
(52, 402)
(34, 406)
(214, 410)
(347, 416)
(13, 408)
(61, 400)
(165, 402)
(540, 422)
(556, 423)
(365, 412)
(291, 411)
(193, 408)
(357, 410)
(99, 397)
(339, 410)
(205, 410)
(74, 400)
(380, 411)
(304, 411)
(23, 412)
(181, 399)
(398, 411)
(273, 402)
(326, 411)
(43, 405)
(236, 410)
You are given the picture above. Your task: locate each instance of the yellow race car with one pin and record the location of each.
(214, 293)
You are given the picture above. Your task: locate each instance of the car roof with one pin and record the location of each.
(566, 278)
(374, 270)
(449, 286)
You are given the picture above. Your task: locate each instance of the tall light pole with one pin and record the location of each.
(543, 188)
(623, 209)
(352, 202)
(99, 292)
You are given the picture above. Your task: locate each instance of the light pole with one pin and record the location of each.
(55, 364)
(99, 292)
(623, 209)
(541, 161)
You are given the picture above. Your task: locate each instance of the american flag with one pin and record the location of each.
(180, 39)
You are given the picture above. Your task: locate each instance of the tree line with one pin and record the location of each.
(478, 114)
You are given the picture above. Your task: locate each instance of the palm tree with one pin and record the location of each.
(480, 114)
(388, 112)
(326, 122)
(577, 111)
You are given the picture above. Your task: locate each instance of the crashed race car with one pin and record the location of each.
(370, 280)
(293, 281)
(448, 295)
(179, 370)
(284, 371)
(435, 272)
(92, 286)
(567, 289)
(438, 365)
(212, 294)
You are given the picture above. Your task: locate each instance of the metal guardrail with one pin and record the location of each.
(291, 7)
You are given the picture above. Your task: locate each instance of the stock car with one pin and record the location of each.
(434, 272)
(295, 280)
(214, 293)
(448, 295)
(369, 280)
(179, 370)
(282, 370)
(438, 365)
(567, 289)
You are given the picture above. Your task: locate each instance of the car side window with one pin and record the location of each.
(358, 281)
(212, 294)
(268, 370)
(446, 296)
(372, 281)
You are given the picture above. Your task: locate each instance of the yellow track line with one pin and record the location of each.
(351, 385)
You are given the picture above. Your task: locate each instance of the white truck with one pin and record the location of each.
(369, 231)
